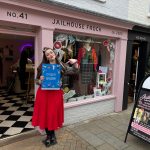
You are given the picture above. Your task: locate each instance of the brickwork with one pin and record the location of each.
(67, 140)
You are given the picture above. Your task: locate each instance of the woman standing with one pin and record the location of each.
(48, 108)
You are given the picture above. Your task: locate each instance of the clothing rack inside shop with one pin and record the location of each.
(78, 40)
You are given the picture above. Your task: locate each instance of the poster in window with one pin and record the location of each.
(52, 75)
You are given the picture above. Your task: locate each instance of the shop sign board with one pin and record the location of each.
(139, 124)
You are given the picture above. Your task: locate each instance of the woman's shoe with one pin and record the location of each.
(47, 141)
(53, 140)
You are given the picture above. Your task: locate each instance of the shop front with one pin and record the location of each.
(98, 44)
(137, 62)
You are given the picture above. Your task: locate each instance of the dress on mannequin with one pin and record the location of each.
(87, 60)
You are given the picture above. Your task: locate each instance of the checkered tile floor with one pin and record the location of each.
(15, 115)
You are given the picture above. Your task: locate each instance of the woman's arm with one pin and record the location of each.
(74, 68)
(39, 76)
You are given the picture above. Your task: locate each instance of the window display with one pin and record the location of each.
(95, 59)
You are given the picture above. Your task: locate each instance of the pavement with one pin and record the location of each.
(101, 133)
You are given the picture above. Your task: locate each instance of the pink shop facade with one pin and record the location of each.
(97, 88)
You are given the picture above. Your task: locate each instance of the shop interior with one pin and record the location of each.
(137, 68)
(133, 72)
(16, 84)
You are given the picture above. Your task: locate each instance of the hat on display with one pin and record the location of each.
(61, 37)
(57, 45)
(106, 43)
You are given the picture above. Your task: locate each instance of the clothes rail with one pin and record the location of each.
(78, 40)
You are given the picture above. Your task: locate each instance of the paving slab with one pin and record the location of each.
(100, 133)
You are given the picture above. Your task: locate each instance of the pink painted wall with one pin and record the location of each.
(46, 19)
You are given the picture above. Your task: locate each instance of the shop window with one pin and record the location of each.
(95, 58)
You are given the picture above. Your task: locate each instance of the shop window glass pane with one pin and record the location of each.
(95, 57)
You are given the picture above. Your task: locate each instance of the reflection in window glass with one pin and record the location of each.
(95, 58)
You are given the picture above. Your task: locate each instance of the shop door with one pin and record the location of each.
(133, 72)
(137, 70)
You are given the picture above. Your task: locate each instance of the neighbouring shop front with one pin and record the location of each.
(137, 62)
(98, 44)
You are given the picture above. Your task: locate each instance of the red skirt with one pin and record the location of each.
(48, 109)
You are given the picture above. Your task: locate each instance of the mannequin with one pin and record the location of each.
(87, 60)
(87, 45)
(87, 54)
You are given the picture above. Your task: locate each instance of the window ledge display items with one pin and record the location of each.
(103, 83)
(110, 47)
(95, 59)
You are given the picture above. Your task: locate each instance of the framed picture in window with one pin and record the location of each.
(101, 79)
(103, 69)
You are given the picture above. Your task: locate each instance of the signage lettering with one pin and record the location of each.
(140, 38)
(117, 32)
(76, 25)
(17, 15)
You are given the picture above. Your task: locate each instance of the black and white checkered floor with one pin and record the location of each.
(15, 115)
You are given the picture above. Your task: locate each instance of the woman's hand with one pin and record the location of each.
(41, 78)
(39, 81)
(72, 61)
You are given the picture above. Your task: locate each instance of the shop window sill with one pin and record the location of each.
(88, 101)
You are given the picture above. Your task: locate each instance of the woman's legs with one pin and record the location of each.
(49, 132)
(51, 138)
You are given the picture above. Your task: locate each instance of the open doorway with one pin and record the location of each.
(133, 72)
(137, 68)
(16, 84)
